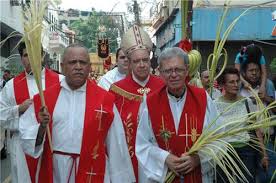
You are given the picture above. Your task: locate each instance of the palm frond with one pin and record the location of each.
(32, 16)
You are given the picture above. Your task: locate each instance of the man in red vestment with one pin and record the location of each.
(87, 133)
(171, 120)
(15, 98)
(129, 92)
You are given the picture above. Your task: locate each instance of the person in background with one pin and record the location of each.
(15, 98)
(252, 53)
(204, 76)
(116, 74)
(252, 74)
(230, 81)
(6, 77)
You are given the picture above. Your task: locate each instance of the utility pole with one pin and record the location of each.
(136, 13)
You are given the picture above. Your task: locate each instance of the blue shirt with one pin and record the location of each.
(237, 60)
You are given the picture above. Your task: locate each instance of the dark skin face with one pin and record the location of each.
(6, 76)
(25, 61)
(76, 67)
(252, 74)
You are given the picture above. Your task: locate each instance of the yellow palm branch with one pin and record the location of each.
(33, 25)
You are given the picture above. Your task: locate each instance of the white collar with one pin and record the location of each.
(141, 83)
(64, 85)
(30, 75)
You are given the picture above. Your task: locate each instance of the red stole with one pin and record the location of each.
(21, 94)
(190, 126)
(96, 126)
(128, 97)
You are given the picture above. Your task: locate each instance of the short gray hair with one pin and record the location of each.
(73, 45)
(169, 53)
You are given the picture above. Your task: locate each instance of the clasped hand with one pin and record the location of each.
(182, 165)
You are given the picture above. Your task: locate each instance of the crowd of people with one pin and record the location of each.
(131, 126)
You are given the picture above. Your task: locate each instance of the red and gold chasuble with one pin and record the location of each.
(21, 94)
(128, 97)
(190, 126)
(97, 120)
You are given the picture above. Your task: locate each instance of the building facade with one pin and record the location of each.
(254, 27)
(10, 22)
(257, 27)
(54, 38)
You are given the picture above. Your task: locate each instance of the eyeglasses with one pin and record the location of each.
(176, 70)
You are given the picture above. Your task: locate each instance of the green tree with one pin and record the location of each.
(273, 65)
(87, 31)
(14, 65)
(58, 2)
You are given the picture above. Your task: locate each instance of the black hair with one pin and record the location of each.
(228, 70)
(117, 52)
(21, 47)
(250, 53)
(8, 71)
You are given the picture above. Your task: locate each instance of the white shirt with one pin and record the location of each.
(237, 112)
(8, 107)
(152, 158)
(247, 93)
(67, 137)
(110, 77)
(216, 94)
(9, 119)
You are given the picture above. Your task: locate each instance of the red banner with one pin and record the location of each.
(103, 48)
(107, 63)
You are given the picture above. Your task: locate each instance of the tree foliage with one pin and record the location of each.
(14, 65)
(87, 31)
(273, 66)
(58, 2)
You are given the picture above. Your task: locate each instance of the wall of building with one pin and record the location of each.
(255, 27)
(169, 33)
(11, 15)
(257, 24)
(55, 39)
(232, 47)
(10, 21)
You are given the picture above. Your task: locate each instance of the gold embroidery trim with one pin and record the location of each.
(126, 94)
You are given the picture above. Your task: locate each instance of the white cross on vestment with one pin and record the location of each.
(91, 173)
(99, 116)
(186, 135)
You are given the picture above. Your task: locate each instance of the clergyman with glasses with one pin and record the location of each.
(136, 45)
(171, 121)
